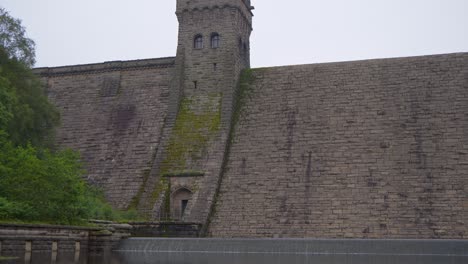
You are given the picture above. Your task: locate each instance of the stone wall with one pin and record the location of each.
(20, 238)
(165, 229)
(366, 149)
(113, 113)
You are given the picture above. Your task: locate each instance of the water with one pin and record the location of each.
(264, 251)
(242, 258)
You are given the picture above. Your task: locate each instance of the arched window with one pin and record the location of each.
(215, 40)
(198, 42)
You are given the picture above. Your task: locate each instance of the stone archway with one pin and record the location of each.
(179, 203)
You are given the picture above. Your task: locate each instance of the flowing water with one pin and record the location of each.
(264, 251)
(241, 258)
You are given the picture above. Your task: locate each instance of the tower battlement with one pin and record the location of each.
(188, 5)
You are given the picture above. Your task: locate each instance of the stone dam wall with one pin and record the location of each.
(113, 113)
(366, 149)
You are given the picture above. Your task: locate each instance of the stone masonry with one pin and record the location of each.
(113, 113)
(366, 149)
(197, 131)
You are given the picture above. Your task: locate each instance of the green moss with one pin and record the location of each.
(134, 203)
(167, 202)
(242, 95)
(198, 121)
(160, 187)
(136, 199)
(8, 258)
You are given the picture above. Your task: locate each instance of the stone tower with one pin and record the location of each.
(213, 49)
(214, 43)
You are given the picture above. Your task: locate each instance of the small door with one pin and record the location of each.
(179, 203)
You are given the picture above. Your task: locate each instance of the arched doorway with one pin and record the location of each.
(179, 203)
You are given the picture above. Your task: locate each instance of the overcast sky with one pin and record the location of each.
(71, 32)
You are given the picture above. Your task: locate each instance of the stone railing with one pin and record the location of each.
(26, 238)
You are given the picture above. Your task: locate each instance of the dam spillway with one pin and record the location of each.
(298, 246)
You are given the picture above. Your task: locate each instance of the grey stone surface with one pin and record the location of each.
(16, 238)
(366, 149)
(168, 229)
(112, 113)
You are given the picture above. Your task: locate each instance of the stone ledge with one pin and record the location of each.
(105, 67)
(46, 226)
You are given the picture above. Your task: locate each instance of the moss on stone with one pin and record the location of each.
(160, 187)
(241, 96)
(8, 258)
(243, 93)
(136, 199)
(198, 121)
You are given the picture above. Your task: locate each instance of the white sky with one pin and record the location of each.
(71, 32)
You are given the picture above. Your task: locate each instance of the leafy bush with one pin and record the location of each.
(14, 210)
(49, 185)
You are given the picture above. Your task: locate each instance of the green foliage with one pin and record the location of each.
(99, 209)
(14, 41)
(37, 185)
(96, 205)
(44, 186)
(15, 210)
(26, 114)
(7, 101)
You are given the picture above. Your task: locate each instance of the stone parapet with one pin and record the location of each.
(106, 66)
(18, 238)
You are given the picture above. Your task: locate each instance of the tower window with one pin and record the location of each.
(198, 42)
(215, 40)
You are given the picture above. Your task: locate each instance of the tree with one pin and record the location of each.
(7, 101)
(40, 185)
(29, 116)
(14, 41)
